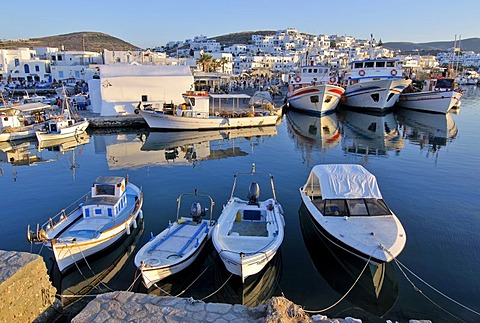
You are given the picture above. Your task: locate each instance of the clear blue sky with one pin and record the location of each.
(149, 23)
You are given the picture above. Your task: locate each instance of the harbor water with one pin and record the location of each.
(426, 166)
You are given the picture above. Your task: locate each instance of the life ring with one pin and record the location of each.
(297, 78)
(393, 72)
(361, 72)
(333, 79)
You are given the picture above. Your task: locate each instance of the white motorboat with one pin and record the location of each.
(176, 247)
(314, 90)
(346, 206)
(197, 113)
(373, 84)
(23, 121)
(92, 223)
(249, 232)
(437, 96)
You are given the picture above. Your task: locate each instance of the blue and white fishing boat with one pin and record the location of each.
(92, 223)
(176, 247)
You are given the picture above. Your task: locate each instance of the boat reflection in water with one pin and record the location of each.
(178, 148)
(256, 289)
(430, 131)
(312, 133)
(377, 289)
(65, 144)
(93, 275)
(370, 134)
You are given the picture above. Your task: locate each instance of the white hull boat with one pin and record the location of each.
(374, 83)
(60, 129)
(436, 96)
(374, 94)
(196, 114)
(23, 121)
(176, 247)
(81, 230)
(249, 232)
(314, 90)
(347, 208)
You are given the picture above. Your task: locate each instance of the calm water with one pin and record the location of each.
(426, 166)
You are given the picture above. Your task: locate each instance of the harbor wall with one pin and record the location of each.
(26, 293)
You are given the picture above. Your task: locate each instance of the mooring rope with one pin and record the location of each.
(217, 289)
(400, 265)
(345, 295)
(183, 291)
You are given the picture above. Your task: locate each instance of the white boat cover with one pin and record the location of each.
(346, 181)
(31, 107)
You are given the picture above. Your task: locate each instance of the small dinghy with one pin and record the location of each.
(96, 221)
(249, 232)
(176, 247)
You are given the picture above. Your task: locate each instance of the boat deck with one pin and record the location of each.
(258, 229)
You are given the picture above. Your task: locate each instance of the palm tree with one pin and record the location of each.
(205, 60)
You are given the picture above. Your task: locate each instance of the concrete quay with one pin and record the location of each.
(131, 307)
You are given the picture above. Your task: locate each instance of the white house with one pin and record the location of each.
(121, 87)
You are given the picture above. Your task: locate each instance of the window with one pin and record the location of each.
(26, 68)
(335, 208)
(380, 64)
(358, 65)
(59, 58)
(17, 62)
(109, 212)
(369, 64)
(390, 64)
(103, 189)
(314, 99)
(144, 98)
(87, 213)
(357, 207)
(37, 68)
(377, 207)
(98, 211)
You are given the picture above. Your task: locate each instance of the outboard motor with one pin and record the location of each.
(197, 212)
(253, 193)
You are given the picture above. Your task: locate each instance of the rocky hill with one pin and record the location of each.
(89, 41)
(244, 37)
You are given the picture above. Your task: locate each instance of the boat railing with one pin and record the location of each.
(40, 235)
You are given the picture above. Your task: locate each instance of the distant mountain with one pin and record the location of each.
(89, 41)
(470, 44)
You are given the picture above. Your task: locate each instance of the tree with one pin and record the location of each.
(223, 61)
(380, 43)
(206, 61)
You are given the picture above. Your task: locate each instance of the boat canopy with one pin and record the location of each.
(31, 107)
(345, 181)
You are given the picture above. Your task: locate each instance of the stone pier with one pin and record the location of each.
(26, 293)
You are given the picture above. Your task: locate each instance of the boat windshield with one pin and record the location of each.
(353, 207)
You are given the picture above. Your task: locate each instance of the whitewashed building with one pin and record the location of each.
(121, 87)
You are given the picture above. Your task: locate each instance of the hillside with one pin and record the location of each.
(470, 44)
(89, 41)
(244, 37)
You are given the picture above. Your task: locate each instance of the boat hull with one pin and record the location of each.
(158, 120)
(374, 94)
(21, 133)
(71, 131)
(315, 99)
(357, 236)
(245, 254)
(163, 260)
(430, 101)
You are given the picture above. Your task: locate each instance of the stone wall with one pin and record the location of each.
(25, 289)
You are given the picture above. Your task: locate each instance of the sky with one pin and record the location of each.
(151, 23)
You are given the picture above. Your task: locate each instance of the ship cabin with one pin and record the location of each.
(108, 198)
(197, 105)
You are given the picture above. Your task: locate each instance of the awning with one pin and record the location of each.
(346, 181)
